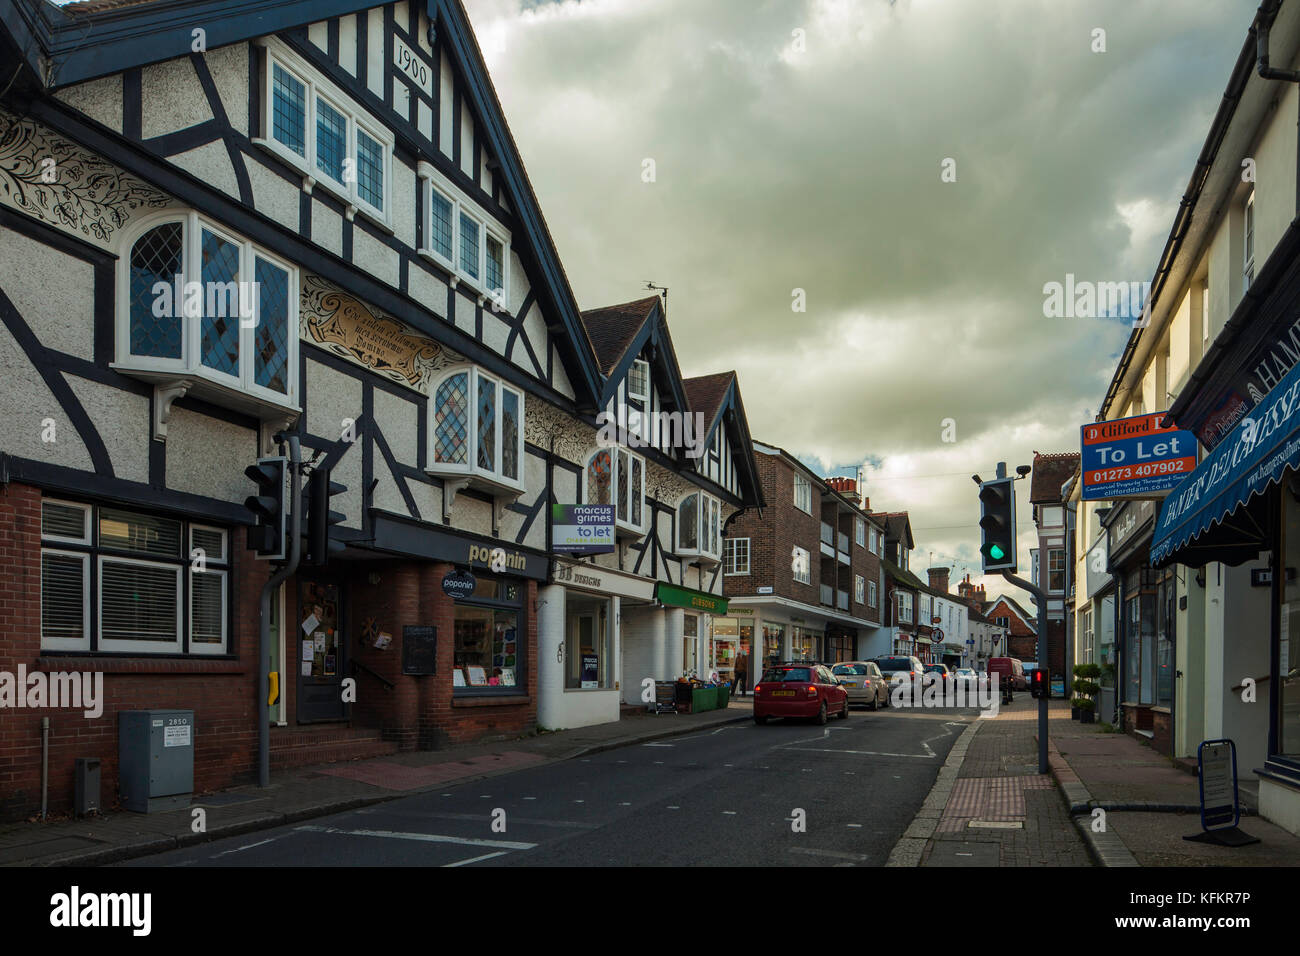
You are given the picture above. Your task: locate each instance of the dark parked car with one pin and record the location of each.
(799, 689)
(940, 669)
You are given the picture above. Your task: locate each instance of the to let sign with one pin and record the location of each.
(582, 529)
(1134, 458)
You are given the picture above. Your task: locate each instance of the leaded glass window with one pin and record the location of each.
(688, 523)
(440, 231)
(487, 423)
(599, 478)
(331, 140)
(271, 334)
(289, 110)
(496, 265)
(370, 169)
(157, 256)
(219, 328)
(638, 485)
(451, 414)
(624, 470)
(510, 433)
(469, 246)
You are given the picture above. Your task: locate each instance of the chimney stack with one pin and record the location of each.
(939, 579)
(848, 487)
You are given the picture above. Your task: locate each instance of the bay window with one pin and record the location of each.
(461, 238)
(477, 423)
(332, 141)
(616, 476)
(200, 303)
(904, 607)
(699, 526)
(122, 581)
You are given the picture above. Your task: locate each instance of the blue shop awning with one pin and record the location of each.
(1219, 513)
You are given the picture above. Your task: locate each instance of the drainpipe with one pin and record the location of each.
(294, 526)
(1266, 72)
(45, 766)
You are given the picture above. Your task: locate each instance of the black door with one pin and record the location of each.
(320, 643)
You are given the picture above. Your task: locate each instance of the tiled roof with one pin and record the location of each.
(612, 328)
(1030, 619)
(898, 526)
(1050, 472)
(706, 392)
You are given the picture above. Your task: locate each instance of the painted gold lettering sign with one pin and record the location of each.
(348, 328)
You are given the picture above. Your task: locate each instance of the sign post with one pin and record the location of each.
(1220, 808)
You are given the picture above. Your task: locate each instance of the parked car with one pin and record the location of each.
(864, 683)
(966, 675)
(799, 689)
(1011, 675)
(939, 669)
(900, 669)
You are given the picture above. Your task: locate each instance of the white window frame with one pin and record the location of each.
(802, 484)
(730, 549)
(190, 364)
(860, 532)
(432, 180)
(471, 468)
(905, 609)
(68, 643)
(318, 85)
(119, 646)
(859, 588)
(618, 456)
(644, 366)
(871, 594)
(803, 559)
(1060, 571)
(222, 568)
(705, 505)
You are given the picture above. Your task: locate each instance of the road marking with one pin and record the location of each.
(674, 808)
(729, 813)
(833, 854)
(854, 826)
(656, 745)
(866, 753)
(476, 859)
(419, 837)
(579, 801)
(625, 804)
(530, 798)
(528, 821)
(240, 849)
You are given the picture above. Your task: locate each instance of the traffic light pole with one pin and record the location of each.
(1041, 600)
(264, 619)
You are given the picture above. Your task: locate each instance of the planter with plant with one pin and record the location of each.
(1086, 689)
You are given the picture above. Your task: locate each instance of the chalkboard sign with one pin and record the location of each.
(419, 649)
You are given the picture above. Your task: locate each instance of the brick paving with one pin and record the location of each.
(998, 783)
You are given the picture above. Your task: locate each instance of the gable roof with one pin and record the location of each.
(1050, 472)
(612, 328)
(706, 393)
(897, 526)
(1019, 611)
(101, 37)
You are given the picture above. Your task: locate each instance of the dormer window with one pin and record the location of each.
(616, 476)
(638, 381)
(460, 237)
(332, 141)
(477, 424)
(699, 526)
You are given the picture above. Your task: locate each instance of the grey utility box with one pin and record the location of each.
(155, 753)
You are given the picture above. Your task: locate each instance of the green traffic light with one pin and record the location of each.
(996, 552)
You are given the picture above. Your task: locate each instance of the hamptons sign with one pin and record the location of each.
(1134, 457)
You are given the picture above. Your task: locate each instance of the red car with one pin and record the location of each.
(799, 689)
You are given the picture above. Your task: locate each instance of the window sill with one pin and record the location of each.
(489, 700)
(310, 180)
(63, 661)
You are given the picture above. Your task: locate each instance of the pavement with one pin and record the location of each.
(1109, 800)
(307, 792)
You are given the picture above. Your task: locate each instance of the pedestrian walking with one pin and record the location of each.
(742, 672)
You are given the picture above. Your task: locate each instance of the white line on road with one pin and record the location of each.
(240, 849)
(833, 854)
(421, 837)
(476, 859)
(656, 745)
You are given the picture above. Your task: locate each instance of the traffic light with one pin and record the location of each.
(269, 508)
(998, 525)
(1041, 684)
(319, 517)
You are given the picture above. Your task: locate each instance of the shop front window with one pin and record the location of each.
(1288, 652)
(489, 649)
(839, 648)
(773, 642)
(690, 645)
(805, 645)
(588, 655)
(1164, 650)
(1140, 636)
(725, 635)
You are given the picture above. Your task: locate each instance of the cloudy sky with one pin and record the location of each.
(799, 144)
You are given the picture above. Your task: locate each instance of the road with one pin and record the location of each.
(728, 796)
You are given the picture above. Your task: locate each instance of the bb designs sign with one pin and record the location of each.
(351, 330)
(582, 529)
(1134, 458)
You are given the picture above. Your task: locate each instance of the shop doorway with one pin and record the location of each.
(320, 643)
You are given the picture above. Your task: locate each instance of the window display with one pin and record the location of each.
(488, 649)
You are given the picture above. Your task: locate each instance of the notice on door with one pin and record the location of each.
(176, 736)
